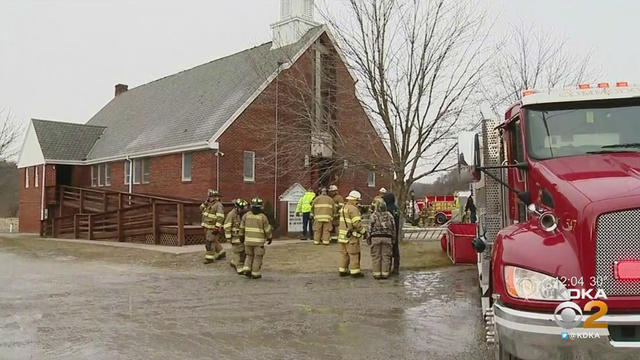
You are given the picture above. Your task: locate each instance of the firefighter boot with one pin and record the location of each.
(221, 255)
(209, 256)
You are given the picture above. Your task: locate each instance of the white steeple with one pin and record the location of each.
(296, 18)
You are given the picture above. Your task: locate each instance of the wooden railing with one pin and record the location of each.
(120, 216)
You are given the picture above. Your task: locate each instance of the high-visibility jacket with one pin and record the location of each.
(304, 204)
(255, 228)
(232, 226)
(338, 200)
(350, 219)
(322, 208)
(212, 215)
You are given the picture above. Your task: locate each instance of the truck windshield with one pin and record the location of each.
(602, 127)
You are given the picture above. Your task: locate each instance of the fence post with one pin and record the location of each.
(75, 226)
(180, 215)
(105, 202)
(90, 228)
(154, 221)
(81, 201)
(53, 227)
(119, 200)
(119, 225)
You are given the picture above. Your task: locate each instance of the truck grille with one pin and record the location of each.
(617, 238)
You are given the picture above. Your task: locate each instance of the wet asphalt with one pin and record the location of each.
(63, 308)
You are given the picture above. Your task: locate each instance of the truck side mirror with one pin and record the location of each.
(469, 156)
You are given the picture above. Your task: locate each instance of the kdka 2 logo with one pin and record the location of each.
(568, 314)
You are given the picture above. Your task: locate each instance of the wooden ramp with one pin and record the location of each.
(93, 214)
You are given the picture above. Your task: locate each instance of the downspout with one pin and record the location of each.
(44, 171)
(218, 170)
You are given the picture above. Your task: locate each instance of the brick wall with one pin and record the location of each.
(166, 170)
(30, 201)
(166, 176)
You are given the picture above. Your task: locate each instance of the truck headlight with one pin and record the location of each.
(530, 285)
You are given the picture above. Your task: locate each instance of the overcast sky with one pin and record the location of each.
(60, 59)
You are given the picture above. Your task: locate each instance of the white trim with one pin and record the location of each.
(26, 178)
(190, 167)
(36, 176)
(30, 151)
(253, 172)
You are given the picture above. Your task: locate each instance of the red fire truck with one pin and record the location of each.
(442, 204)
(558, 196)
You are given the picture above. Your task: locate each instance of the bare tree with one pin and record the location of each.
(314, 104)
(10, 131)
(530, 58)
(420, 63)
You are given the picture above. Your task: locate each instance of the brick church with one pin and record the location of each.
(212, 126)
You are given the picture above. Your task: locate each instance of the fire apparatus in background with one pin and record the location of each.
(443, 206)
(557, 186)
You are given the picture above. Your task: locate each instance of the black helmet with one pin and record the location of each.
(256, 202)
(240, 204)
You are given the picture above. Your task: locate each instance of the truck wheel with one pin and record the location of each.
(441, 218)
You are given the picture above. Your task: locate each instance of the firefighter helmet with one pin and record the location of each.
(333, 188)
(213, 193)
(354, 195)
(240, 204)
(256, 202)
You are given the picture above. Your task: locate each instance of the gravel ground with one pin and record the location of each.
(61, 302)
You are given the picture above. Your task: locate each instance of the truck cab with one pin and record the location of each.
(560, 270)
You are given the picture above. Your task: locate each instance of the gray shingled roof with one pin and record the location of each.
(66, 141)
(187, 107)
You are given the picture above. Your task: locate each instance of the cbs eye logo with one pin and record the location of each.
(568, 315)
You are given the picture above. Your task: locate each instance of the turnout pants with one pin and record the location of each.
(381, 252)
(212, 245)
(253, 259)
(322, 232)
(334, 230)
(349, 256)
(237, 260)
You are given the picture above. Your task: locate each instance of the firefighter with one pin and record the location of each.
(377, 200)
(212, 219)
(338, 201)
(349, 236)
(256, 230)
(322, 209)
(381, 236)
(304, 208)
(232, 233)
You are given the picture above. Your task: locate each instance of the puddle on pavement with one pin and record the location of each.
(448, 315)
